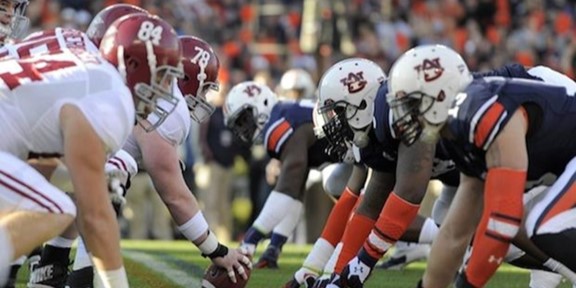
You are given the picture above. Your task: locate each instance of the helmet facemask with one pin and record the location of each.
(155, 97)
(246, 125)
(407, 112)
(336, 128)
(200, 109)
(152, 96)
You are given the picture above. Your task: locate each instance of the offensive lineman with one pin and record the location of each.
(61, 124)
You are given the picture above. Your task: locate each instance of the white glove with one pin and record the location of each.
(119, 170)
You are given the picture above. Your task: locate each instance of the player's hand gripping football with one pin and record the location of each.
(234, 262)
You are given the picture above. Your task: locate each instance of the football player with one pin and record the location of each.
(84, 123)
(492, 130)
(157, 152)
(253, 112)
(352, 100)
(55, 41)
(296, 84)
(355, 235)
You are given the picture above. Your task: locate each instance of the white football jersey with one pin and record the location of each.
(174, 129)
(34, 89)
(48, 41)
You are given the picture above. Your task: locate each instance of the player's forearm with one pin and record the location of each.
(444, 259)
(455, 233)
(292, 177)
(182, 207)
(96, 218)
(101, 233)
(179, 200)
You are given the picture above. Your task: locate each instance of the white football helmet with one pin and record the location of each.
(247, 110)
(423, 83)
(346, 95)
(298, 79)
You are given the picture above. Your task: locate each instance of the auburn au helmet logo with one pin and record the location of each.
(354, 82)
(252, 90)
(431, 68)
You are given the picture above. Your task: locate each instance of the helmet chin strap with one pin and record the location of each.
(349, 157)
(431, 132)
(361, 138)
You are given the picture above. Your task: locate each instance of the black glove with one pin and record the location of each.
(462, 282)
(220, 251)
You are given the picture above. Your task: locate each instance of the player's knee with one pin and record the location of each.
(334, 178)
(56, 202)
(442, 204)
(68, 206)
(332, 190)
(371, 205)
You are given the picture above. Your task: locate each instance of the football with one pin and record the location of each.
(216, 277)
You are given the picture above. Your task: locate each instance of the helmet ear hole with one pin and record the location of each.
(131, 63)
(265, 102)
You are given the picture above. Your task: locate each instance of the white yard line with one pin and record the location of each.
(171, 273)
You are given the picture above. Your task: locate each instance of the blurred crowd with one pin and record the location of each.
(264, 37)
(261, 39)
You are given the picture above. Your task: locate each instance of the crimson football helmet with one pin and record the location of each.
(201, 67)
(14, 23)
(106, 17)
(146, 51)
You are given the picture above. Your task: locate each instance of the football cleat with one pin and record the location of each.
(302, 278)
(406, 254)
(321, 282)
(81, 278)
(308, 282)
(48, 275)
(292, 284)
(12, 277)
(354, 274)
(269, 258)
(333, 282)
(34, 258)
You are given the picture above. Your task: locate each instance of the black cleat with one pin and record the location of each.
(269, 258)
(81, 278)
(48, 275)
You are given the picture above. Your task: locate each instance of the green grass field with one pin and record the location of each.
(157, 264)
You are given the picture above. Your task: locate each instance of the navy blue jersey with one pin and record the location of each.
(381, 154)
(480, 114)
(285, 118)
(508, 71)
(376, 157)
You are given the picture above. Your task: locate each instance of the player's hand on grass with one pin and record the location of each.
(462, 281)
(234, 262)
